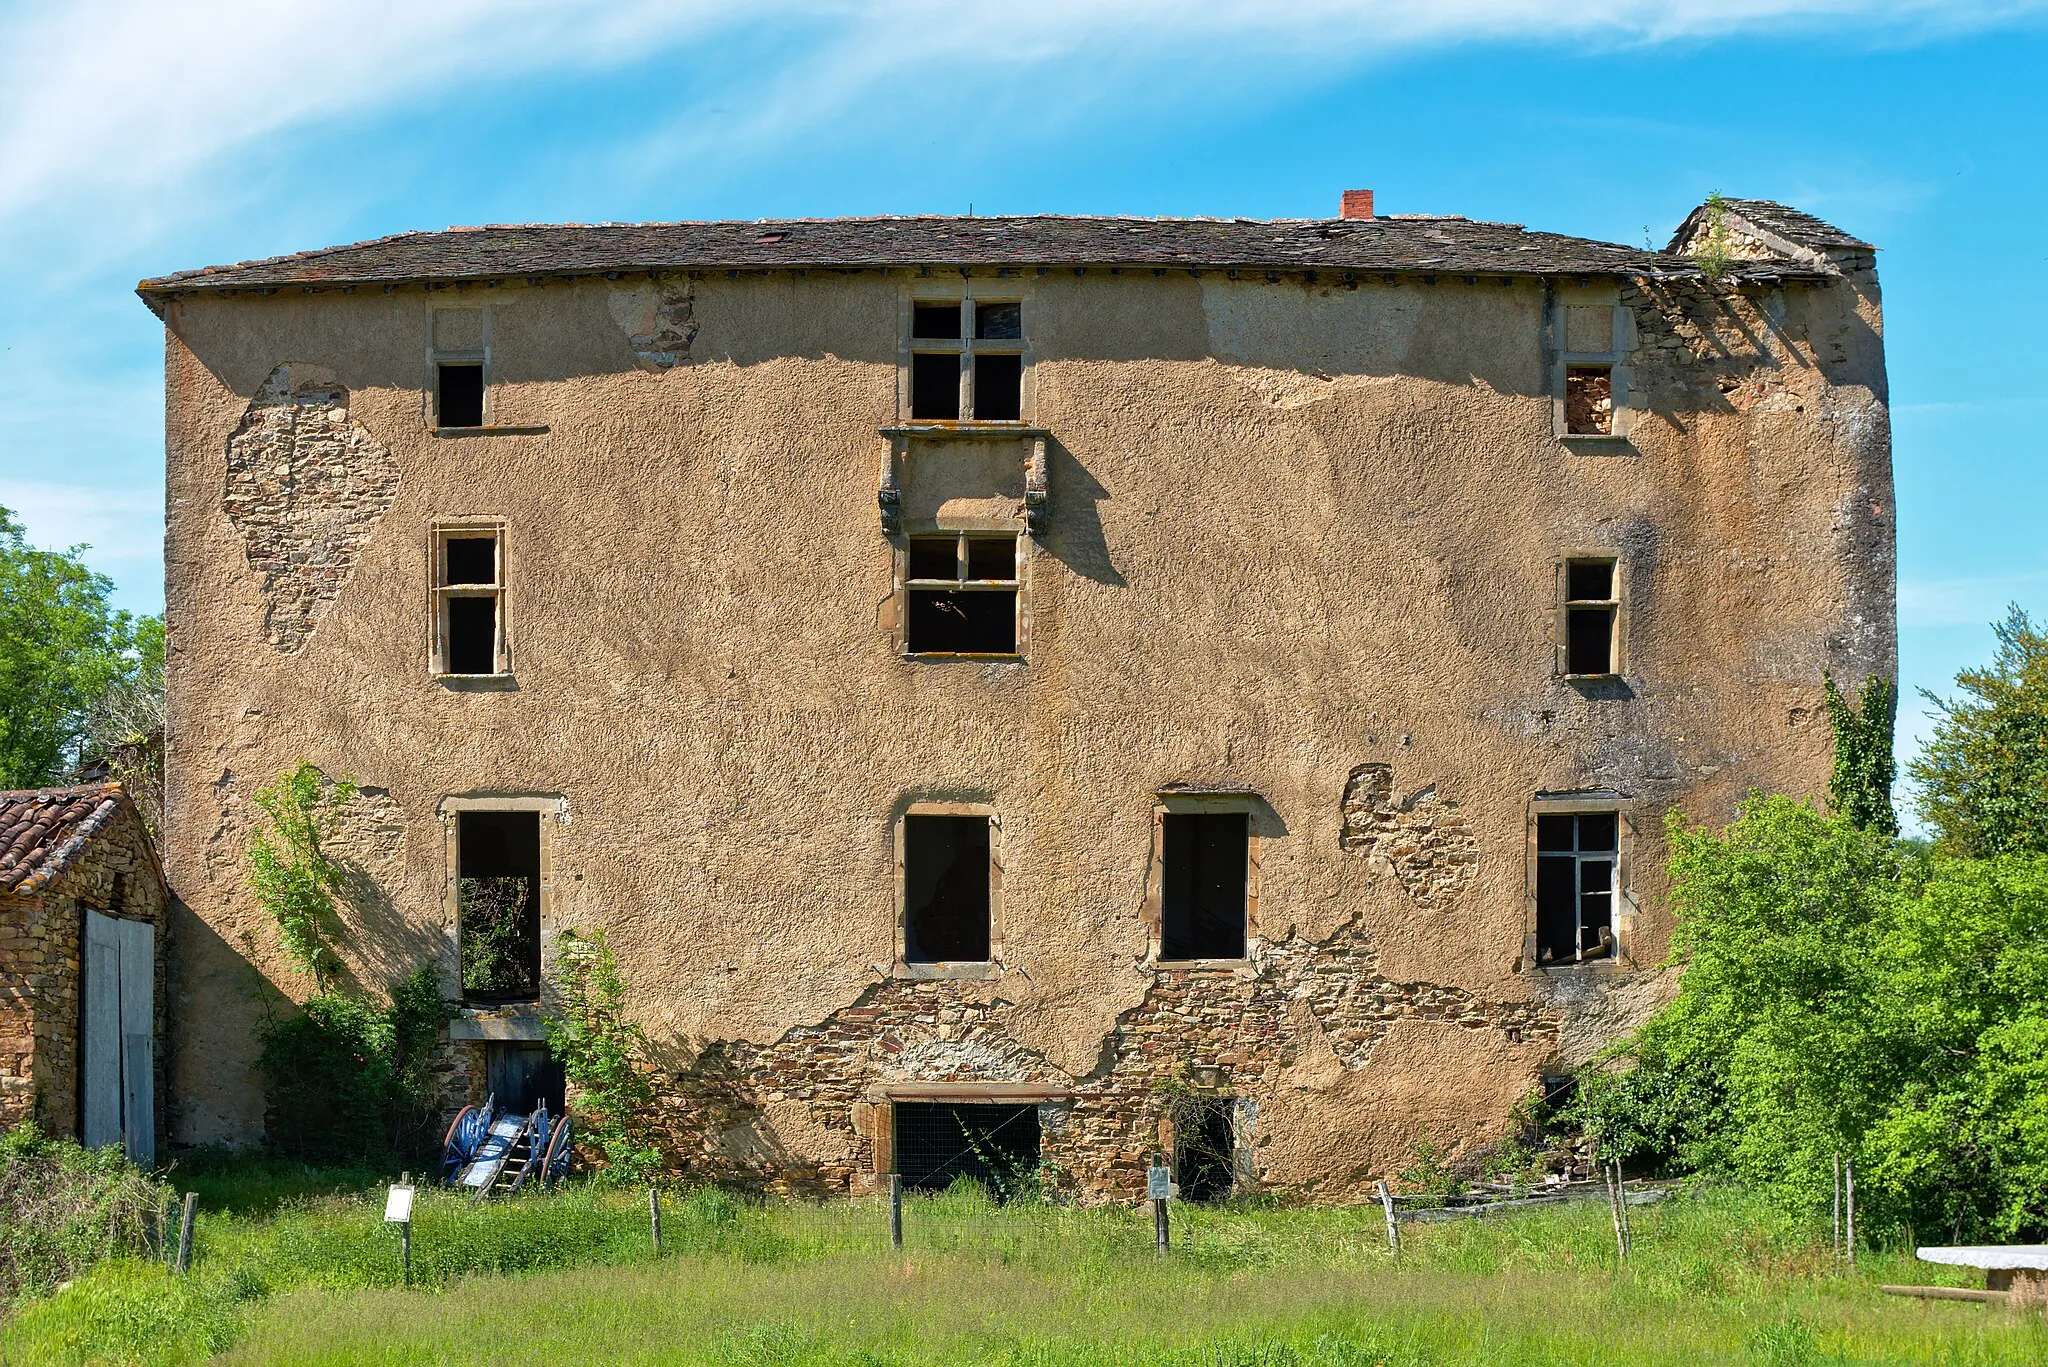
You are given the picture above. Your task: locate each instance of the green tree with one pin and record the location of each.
(1860, 786)
(62, 649)
(1981, 782)
(292, 876)
(601, 1052)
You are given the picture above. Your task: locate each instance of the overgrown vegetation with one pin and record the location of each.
(1715, 250)
(1716, 1277)
(63, 651)
(602, 1055)
(64, 1209)
(1848, 996)
(349, 1074)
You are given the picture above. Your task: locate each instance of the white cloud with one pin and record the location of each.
(118, 522)
(102, 97)
(1965, 602)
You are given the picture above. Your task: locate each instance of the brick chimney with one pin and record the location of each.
(1355, 204)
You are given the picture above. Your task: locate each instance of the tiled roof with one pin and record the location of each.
(1401, 242)
(43, 830)
(1795, 226)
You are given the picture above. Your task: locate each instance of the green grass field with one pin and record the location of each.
(287, 1273)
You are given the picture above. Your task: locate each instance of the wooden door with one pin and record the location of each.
(117, 1052)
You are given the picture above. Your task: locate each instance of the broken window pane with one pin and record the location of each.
(935, 386)
(1204, 1149)
(1575, 864)
(998, 388)
(980, 623)
(472, 560)
(1202, 885)
(992, 558)
(945, 889)
(1589, 400)
(936, 321)
(940, 1143)
(999, 322)
(933, 557)
(473, 635)
(498, 905)
(459, 395)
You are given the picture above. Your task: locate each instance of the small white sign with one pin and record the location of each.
(1159, 1184)
(398, 1206)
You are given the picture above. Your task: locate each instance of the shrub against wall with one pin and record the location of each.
(601, 1053)
(64, 1208)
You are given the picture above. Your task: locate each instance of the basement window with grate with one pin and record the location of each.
(1577, 864)
(962, 595)
(993, 1144)
(498, 905)
(469, 601)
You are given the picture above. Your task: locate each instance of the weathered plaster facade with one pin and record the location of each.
(1301, 543)
(64, 851)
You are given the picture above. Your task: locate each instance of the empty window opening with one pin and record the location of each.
(945, 889)
(1202, 885)
(999, 322)
(1204, 1149)
(521, 1076)
(998, 388)
(498, 905)
(935, 385)
(1589, 400)
(1576, 856)
(470, 599)
(458, 394)
(1591, 610)
(940, 1143)
(962, 595)
(935, 322)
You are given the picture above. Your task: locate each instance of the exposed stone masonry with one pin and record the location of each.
(1423, 839)
(306, 486)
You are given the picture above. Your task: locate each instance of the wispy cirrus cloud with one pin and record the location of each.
(104, 97)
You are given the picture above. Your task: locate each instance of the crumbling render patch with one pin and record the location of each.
(306, 486)
(1423, 839)
(660, 321)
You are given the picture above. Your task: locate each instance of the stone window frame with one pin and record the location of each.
(553, 810)
(965, 970)
(1625, 910)
(990, 527)
(1588, 294)
(968, 292)
(436, 357)
(1184, 802)
(1561, 603)
(442, 531)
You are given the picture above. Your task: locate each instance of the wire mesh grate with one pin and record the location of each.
(938, 1143)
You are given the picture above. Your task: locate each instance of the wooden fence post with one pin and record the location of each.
(1849, 1200)
(1393, 1225)
(1835, 1238)
(654, 1216)
(895, 1210)
(184, 1264)
(1614, 1212)
(1628, 1233)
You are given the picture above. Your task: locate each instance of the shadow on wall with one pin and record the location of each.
(1076, 538)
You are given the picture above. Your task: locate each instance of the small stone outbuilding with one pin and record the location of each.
(81, 966)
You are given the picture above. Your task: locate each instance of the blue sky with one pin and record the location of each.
(139, 137)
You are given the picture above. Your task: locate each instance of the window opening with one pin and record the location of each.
(936, 322)
(963, 595)
(498, 905)
(1589, 400)
(935, 386)
(1591, 609)
(470, 596)
(1576, 857)
(945, 889)
(1202, 885)
(998, 388)
(1204, 1149)
(999, 322)
(458, 394)
(939, 1143)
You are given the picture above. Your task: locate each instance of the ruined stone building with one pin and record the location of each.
(1015, 691)
(81, 967)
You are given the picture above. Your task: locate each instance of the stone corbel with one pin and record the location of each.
(889, 494)
(1037, 497)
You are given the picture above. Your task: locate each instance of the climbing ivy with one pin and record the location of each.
(1860, 788)
(292, 876)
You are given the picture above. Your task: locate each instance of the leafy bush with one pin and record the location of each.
(64, 1208)
(352, 1079)
(292, 876)
(601, 1052)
